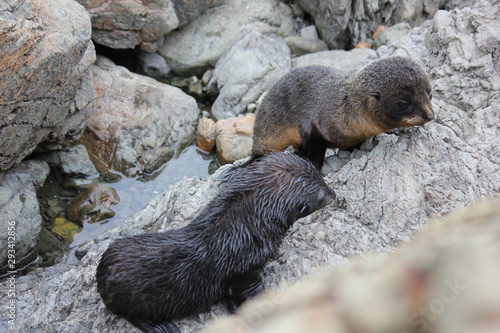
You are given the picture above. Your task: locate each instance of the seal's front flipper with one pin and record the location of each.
(149, 326)
(243, 287)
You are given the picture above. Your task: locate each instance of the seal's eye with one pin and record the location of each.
(403, 106)
(430, 96)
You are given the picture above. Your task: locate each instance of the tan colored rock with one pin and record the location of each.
(234, 138)
(363, 45)
(446, 280)
(205, 134)
(379, 30)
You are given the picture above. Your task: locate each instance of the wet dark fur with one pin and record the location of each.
(153, 278)
(317, 107)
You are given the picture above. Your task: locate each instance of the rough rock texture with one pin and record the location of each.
(124, 24)
(388, 191)
(234, 138)
(18, 209)
(396, 31)
(187, 10)
(38, 170)
(340, 59)
(137, 122)
(154, 65)
(205, 134)
(302, 45)
(343, 24)
(45, 58)
(198, 45)
(444, 281)
(247, 69)
(73, 161)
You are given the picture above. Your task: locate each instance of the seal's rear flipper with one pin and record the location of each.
(149, 326)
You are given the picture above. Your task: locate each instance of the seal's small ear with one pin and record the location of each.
(375, 94)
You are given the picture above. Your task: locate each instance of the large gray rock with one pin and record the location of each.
(72, 161)
(124, 24)
(46, 56)
(344, 24)
(389, 189)
(198, 45)
(187, 10)
(444, 281)
(138, 123)
(38, 170)
(247, 69)
(340, 59)
(21, 220)
(396, 31)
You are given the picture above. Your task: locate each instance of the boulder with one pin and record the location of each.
(303, 45)
(21, 221)
(340, 59)
(396, 31)
(388, 190)
(46, 85)
(234, 138)
(37, 169)
(124, 24)
(343, 24)
(154, 65)
(205, 134)
(247, 69)
(72, 161)
(198, 45)
(444, 281)
(187, 10)
(137, 123)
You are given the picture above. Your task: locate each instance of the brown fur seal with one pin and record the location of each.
(316, 107)
(153, 278)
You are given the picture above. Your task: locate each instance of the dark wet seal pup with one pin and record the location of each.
(317, 107)
(151, 279)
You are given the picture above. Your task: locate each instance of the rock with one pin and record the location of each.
(187, 10)
(379, 30)
(37, 169)
(21, 220)
(73, 161)
(388, 190)
(195, 89)
(234, 138)
(45, 70)
(444, 281)
(153, 65)
(137, 123)
(93, 205)
(343, 24)
(198, 45)
(205, 134)
(65, 229)
(309, 32)
(301, 45)
(340, 59)
(124, 24)
(79, 183)
(48, 241)
(397, 31)
(247, 69)
(363, 45)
